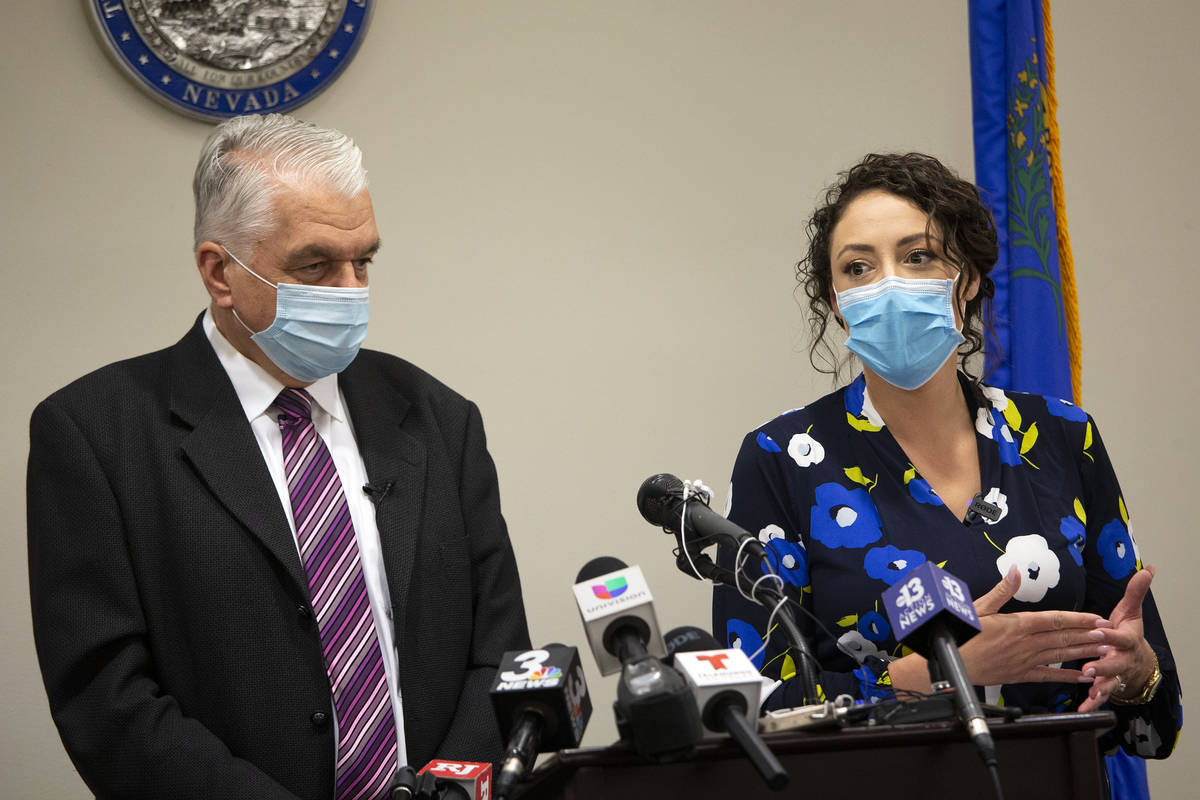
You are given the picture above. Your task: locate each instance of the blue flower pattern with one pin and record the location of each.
(1076, 536)
(889, 564)
(1116, 550)
(844, 517)
(1009, 454)
(789, 561)
(768, 444)
(863, 516)
(1065, 410)
(743, 635)
(874, 626)
(920, 490)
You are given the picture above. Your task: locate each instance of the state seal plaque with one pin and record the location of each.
(214, 59)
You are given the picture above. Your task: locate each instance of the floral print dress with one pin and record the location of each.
(844, 514)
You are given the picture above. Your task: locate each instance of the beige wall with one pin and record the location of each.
(591, 212)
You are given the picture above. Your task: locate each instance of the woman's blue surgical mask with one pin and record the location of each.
(317, 330)
(902, 328)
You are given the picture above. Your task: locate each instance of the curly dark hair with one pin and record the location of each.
(951, 203)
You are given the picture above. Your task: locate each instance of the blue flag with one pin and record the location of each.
(1035, 345)
(1029, 350)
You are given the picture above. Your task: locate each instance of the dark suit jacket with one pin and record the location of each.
(170, 609)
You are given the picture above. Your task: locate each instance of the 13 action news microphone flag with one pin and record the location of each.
(931, 612)
(924, 595)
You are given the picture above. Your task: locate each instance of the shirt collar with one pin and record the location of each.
(256, 388)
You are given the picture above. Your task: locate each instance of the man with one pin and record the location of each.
(262, 563)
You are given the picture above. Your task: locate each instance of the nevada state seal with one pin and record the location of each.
(214, 59)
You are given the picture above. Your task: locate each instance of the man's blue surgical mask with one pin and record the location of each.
(317, 330)
(902, 328)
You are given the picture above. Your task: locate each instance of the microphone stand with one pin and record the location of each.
(767, 595)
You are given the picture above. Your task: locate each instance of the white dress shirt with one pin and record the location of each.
(256, 390)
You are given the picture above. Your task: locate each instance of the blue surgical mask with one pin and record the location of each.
(317, 330)
(902, 328)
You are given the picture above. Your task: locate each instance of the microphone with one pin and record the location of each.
(931, 612)
(661, 501)
(541, 700)
(473, 778)
(980, 508)
(654, 709)
(377, 490)
(411, 785)
(727, 689)
(617, 611)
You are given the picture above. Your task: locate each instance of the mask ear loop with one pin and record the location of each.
(255, 274)
(959, 315)
(252, 272)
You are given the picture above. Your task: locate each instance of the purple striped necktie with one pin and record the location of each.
(366, 753)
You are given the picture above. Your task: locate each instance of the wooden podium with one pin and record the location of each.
(1051, 756)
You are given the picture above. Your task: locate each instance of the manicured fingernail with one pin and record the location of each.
(1086, 678)
(1103, 623)
(1090, 673)
(1096, 635)
(1104, 648)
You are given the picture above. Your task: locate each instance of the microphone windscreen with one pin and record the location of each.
(599, 566)
(657, 497)
(689, 639)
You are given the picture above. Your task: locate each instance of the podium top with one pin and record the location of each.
(800, 740)
(1042, 755)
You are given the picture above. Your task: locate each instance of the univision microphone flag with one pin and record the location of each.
(1036, 343)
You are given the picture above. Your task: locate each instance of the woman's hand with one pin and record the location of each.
(1019, 647)
(1125, 656)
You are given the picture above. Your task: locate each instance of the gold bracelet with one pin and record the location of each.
(1147, 693)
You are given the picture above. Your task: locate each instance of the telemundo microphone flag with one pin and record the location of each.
(1035, 345)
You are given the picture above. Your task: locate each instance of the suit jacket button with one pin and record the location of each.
(303, 613)
(320, 719)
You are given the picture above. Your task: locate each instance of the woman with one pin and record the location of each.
(878, 477)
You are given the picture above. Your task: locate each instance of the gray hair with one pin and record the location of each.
(247, 159)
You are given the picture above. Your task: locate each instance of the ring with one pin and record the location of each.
(1120, 685)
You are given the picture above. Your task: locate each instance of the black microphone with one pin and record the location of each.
(980, 508)
(541, 701)
(377, 490)
(931, 612)
(661, 502)
(727, 689)
(654, 709)
(408, 784)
